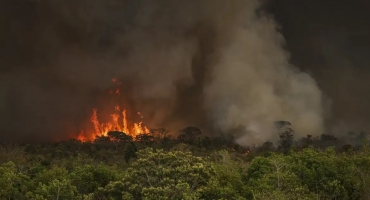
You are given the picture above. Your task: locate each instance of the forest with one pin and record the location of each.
(160, 166)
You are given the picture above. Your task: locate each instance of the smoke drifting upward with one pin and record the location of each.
(214, 64)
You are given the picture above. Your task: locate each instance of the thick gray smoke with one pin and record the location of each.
(214, 64)
(253, 84)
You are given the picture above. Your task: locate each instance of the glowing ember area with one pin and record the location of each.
(119, 122)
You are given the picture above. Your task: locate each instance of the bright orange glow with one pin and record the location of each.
(102, 129)
(81, 137)
(118, 122)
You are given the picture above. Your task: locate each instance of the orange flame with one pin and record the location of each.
(102, 129)
(81, 137)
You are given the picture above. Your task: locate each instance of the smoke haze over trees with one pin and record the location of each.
(210, 64)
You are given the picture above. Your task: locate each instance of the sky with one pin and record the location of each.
(219, 66)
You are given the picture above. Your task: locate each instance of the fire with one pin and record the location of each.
(119, 122)
(81, 137)
(102, 129)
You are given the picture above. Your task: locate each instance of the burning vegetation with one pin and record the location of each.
(116, 125)
(119, 123)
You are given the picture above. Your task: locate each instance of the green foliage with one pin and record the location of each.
(89, 178)
(227, 181)
(320, 172)
(166, 175)
(114, 190)
(56, 189)
(53, 184)
(272, 178)
(113, 168)
(359, 165)
(13, 185)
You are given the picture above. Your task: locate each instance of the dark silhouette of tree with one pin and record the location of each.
(286, 140)
(159, 133)
(118, 137)
(327, 140)
(347, 147)
(327, 137)
(130, 152)
(282, 124)
(204, 142)
(102, 142)
(285, 134)
(167, 140)
(144, 138)
(188, 135)
(267, 146)
(114, 135)
(102, 139)
(307, 141)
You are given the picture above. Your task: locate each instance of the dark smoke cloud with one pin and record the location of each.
(213, 64)
(332, 42)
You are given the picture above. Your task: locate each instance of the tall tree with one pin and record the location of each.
(285, 134)
(189, 135)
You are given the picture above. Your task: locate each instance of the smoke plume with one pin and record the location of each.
(332, 42)
(215, 64)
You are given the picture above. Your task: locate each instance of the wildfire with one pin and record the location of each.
(102, 129)
(119, 122)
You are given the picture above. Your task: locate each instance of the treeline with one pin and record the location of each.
(191, 166)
